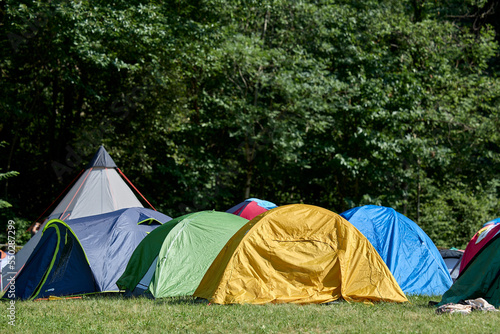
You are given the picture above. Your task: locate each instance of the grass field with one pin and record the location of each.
(114, 314)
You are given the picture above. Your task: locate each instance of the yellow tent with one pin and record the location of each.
(298, 254)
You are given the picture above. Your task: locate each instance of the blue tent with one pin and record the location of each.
(410, 254)
(84, 255)
(58, 248)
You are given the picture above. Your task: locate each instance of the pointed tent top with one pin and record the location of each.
(102, 159)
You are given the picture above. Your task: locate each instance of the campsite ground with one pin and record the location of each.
(117, 315)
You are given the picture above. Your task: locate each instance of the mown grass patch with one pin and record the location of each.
(114, 314)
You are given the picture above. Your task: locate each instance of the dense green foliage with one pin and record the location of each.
(205, 103)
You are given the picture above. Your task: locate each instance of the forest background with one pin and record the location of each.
(203, 104)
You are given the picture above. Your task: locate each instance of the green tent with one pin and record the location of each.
(172, 259)
(480, 278)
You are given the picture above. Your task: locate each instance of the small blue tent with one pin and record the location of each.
(84, 255)
(410, 254)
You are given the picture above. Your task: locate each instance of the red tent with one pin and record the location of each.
(251, 208)
(481, 238)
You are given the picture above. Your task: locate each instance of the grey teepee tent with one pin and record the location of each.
(99, 189)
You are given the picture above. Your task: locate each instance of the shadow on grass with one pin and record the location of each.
(182, 300)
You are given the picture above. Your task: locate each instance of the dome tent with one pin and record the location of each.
(480, 278)
(173, 258)
(412, 257)
(251, 208)
(479, 240)
(452, 258)
(84, 255)
(298, 254)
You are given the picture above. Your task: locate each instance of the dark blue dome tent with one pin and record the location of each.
(412, 257)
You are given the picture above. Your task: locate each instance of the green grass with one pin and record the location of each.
(114, 314)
